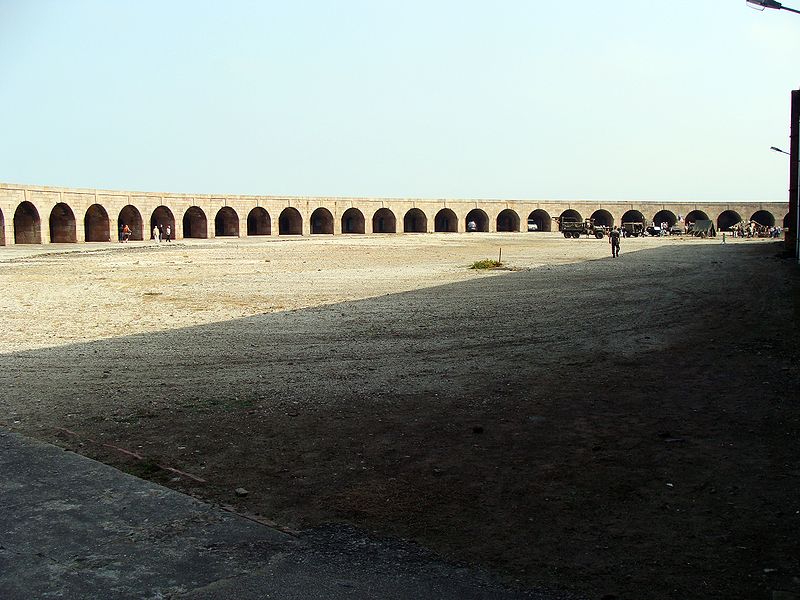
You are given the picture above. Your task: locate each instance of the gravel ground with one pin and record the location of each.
(607, 427)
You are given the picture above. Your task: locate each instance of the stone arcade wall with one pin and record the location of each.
(64, 214)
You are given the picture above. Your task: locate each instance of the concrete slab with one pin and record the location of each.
(71, 527)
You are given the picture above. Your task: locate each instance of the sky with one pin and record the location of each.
(581, 99)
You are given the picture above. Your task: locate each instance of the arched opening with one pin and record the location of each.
(131, 217)
(226, 223)
(383, 221)
(290, 222)
(507, 220)
(258, 222)
(603, 217)
(322, 222)
(539, 220)
(665, 216)
(195, 223)
(62, 225)
(96, 227)
(2, 229)
(633, 216)
(27, 224)
(445, 221)
(728, 219)
(162, 218)
(477, 220)
(353, 221)
(764, 217)
(415, 221)
(570, 215)
(694, 216)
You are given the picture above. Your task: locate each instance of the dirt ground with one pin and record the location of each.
(618, 428)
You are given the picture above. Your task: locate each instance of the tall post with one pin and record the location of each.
(792, 239)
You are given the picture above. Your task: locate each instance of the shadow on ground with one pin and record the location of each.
(621, 427)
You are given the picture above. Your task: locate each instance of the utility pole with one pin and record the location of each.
(792, 239)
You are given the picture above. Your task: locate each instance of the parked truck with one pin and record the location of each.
(633, 229)
(574, 229)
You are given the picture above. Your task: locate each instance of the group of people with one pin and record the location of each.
(753, 229)
(162, 233)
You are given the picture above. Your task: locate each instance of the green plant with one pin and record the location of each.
(486, 263)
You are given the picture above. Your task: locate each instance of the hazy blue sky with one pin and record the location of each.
(613, 99)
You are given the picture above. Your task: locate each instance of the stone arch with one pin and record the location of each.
(415, 221)
(163, 217)
(27, 224)
(665, 216)
(480, 218)
(445, 221)
(508, 220)
(2, 229)
(96, 227)
(727, 219)
(353, 221)
(383, 221)
(632, 216)
(226, 223)
(259, 222)
(569, 215)
(62, 225)
(540, 218)
(763, 217)
(695, 215)
(322, 222)
(602, 217)
(290, 222)
(195, 223)
(131, 217)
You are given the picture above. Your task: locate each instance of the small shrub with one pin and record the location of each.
(486, 263)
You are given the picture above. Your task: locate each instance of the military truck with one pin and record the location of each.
(574, 229)
(633, 229)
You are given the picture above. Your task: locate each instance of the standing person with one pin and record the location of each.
(126, 233)
(613, 239)
(168, 233)
(156, 234)
(121, 227)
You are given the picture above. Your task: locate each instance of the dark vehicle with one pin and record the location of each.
(574, 229)
(634, 229)
(676, 230)
(654, 231)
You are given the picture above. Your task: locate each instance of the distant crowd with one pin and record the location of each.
(753, 229)
(159, 233)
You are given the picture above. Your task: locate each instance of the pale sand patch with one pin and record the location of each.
(58, 294)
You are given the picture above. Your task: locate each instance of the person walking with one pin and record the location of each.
(168, 233)
(613, 239)
(156, 234)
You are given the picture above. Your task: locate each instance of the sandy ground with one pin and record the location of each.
(622, 427)
(96, 291)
